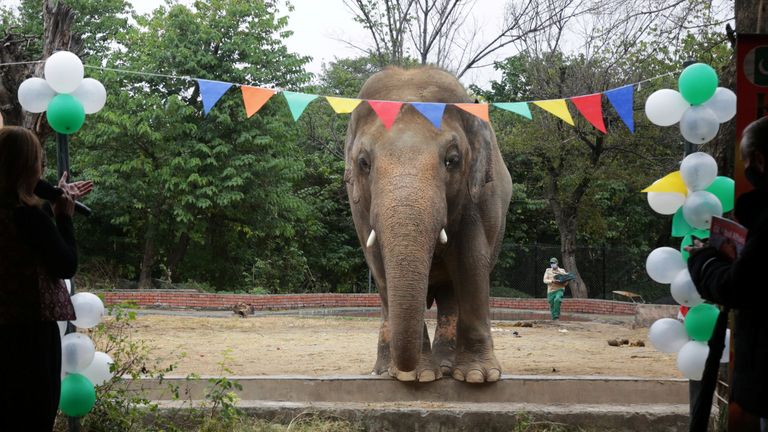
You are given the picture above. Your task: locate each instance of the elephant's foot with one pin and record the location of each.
(476, 368)
(444, 354)
(426, 371)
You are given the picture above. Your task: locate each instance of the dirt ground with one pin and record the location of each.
(280, 345)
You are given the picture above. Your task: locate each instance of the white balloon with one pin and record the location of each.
(698, 170)
(664, 263)
(700, 207)
(665, 107)
(699, 124)
(88, 309)
(62, 327)
(35, 94)
(727, 350)
(98, 371)
(692, 358)
(64, 71)
(668, 335)
(77, 352)
(684, 291)
(665, 203)
(92, 94)
(722, 104)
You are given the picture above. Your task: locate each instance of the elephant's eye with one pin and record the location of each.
(364, 165)
(452, 159)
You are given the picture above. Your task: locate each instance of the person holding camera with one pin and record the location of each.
(35, 256)
(740, 284)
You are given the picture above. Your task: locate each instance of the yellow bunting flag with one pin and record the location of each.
(478, 110)
(672, 182)
(343, 105)
(254, 98)
(556, 107)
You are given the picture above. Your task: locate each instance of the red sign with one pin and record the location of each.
(751, 93)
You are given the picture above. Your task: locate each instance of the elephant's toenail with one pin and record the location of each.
(427, 376)
(475, 376)
(494, 375)
(458, 375)
(406, 376)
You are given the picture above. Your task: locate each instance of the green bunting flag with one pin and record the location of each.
(520, 108)
(297, 102)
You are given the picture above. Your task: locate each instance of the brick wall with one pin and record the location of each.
(182, 299)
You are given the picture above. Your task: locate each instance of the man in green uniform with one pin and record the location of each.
(555, 289)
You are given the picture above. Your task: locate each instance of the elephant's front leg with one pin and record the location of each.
(475, 359)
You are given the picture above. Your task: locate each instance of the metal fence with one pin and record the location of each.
(604, 269)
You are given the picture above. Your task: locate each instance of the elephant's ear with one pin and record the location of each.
(482, 142)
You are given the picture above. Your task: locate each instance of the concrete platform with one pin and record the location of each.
(382, 404)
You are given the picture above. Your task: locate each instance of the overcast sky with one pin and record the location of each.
(320, 26)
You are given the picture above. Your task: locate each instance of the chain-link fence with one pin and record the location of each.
(604, 269)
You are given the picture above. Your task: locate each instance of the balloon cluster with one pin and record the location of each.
(694, 195)
(700, 105)
(82, 366)
(64, 93)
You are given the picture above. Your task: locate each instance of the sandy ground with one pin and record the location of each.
(280, 345)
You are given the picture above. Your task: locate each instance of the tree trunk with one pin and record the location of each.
(567, 226)
(751, 16)
(177, 255)
(150, 253)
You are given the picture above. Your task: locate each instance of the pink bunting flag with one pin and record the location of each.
(387, 111)
(591, 107)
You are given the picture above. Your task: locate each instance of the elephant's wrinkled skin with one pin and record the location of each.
(407, 184)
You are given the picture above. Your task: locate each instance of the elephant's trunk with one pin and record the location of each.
(408, 233)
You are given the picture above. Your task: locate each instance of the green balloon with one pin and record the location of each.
(697, 83)
(65, 114)
(687, 241)
(724, 189)
(680, 228)
(77, 395)
(700, 321)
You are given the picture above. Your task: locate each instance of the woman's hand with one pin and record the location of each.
(64, 205)
(77, 189)
(695, 247)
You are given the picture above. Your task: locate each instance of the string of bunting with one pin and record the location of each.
(254, 98)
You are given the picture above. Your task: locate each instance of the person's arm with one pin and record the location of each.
(739, 284)
(54, 244)
(548, 277)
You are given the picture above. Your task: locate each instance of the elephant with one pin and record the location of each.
(429, 208)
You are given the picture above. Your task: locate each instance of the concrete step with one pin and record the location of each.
(460, 417)
(526, 389)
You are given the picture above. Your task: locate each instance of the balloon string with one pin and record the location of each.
(22, 63)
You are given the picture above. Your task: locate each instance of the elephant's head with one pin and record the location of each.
(409, 187)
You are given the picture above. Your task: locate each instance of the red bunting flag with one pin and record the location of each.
(478, 110)
(387, 111)
(591, 107)
(254, 98)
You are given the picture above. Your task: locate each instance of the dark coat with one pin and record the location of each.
(743, 286)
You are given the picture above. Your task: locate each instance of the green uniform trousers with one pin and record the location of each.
(555, 298)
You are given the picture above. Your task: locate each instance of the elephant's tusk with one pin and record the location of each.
(371, 239)
(443, 236)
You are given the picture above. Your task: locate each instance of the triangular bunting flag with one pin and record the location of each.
(591, 107)
(432, 111)
(621, 99)
(520, 108)
(478, 110)
(672, 182)
(556, 107)
(387, 111)
(254, 98)
(343, 105)
(297, 102)
(211, 92)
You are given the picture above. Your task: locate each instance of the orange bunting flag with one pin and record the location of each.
(556, 107)
(478, 110)
(254, 98)
(591, 107)
(387, 111)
